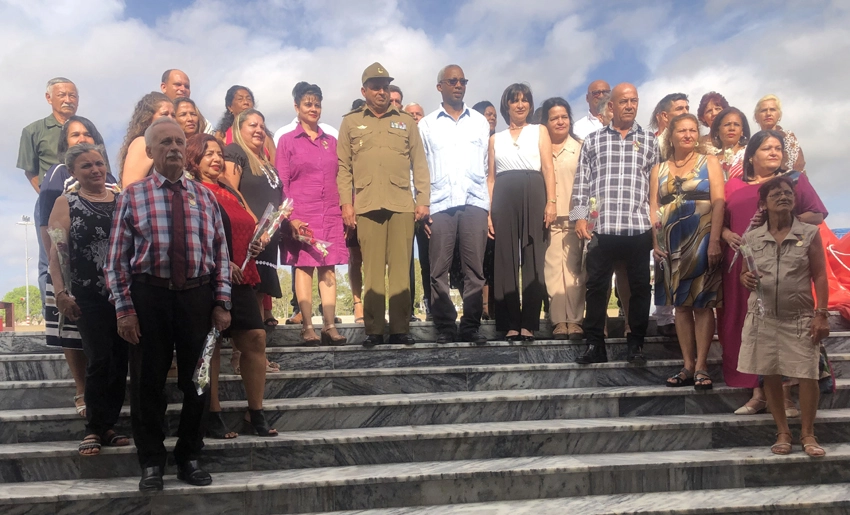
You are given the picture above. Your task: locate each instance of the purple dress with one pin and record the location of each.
(308, 171)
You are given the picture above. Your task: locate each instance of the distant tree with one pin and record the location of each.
(18, 297)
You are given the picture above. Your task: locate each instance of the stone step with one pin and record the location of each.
(289, 335)
(328, 383)
(48, 461)
(315, 413)
(782, 500)
(33, 366)
(437, 483)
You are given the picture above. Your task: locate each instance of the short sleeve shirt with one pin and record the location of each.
(39, 145)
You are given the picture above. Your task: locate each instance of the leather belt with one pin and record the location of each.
(159, 282)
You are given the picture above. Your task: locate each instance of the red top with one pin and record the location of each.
(242, 228)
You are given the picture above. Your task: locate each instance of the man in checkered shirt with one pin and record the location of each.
(614, 169)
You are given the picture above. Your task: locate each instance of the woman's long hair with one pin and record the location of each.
(547, 106)
(95, 134)
(754, 144)
(258, 163)
(227, 118)
(668, 150)
(139, 122)
(196, 146)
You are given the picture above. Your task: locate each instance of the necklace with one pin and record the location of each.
(93, 198)
(691, 155)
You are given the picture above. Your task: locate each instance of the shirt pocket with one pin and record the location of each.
(361, 139)
(398, 141)
(361, 182)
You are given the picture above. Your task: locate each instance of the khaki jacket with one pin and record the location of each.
(376, 157)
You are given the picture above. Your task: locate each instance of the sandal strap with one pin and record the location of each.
(114, 437)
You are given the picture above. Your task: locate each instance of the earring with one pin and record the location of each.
(751, 160)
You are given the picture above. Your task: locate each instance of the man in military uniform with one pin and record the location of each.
(378, 147)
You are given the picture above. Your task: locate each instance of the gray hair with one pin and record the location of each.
(411, 104)
(57, 80)
(159, 121)
(444, 69)
(79, 149)
(602, 107)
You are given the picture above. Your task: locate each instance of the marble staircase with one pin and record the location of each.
(439, 429)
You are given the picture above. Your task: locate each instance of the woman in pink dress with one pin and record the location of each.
(762, 162)
(307, 162)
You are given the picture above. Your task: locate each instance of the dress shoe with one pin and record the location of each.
(151, 479)
(446, 337)
(372, 339)
(575, 332)
(560, 331)
(635, 355)
(474, 337)
(668, 330)
(190, 472)
(595, 353)
(401, 339)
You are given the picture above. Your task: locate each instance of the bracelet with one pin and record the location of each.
(822, 311)
(554, 201)
(60, 292)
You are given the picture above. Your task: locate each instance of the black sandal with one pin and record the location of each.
(702, 380)
(257, 425)
(217, 429)
(683, 378)
(110, 439)
(89, 443)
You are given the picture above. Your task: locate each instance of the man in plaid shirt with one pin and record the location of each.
(614, 167)
(168, 272)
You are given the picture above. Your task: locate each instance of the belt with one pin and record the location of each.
(159, 282)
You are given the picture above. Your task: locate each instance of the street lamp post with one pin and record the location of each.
(26, 222)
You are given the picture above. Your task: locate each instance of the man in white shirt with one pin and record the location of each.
(456, 141)
(596, 91)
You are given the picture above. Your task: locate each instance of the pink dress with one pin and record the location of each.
(741, 204)
(308, 171)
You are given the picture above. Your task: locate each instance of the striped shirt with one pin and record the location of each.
(615, 170)
(141, 232)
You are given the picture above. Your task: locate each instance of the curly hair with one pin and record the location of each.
(711, 96)
(714, 134)
(139, 122)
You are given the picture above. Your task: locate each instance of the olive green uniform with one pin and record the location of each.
(376, 156)
(39, 144)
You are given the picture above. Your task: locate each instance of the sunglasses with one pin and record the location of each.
(453, 82)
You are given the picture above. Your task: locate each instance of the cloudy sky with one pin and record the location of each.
(116, 51)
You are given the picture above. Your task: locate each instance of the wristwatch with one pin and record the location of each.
(224, 304)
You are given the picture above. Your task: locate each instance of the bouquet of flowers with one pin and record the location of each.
(305, 235)
(201, 376)
(269, 223)
(592, 216)
(738, 252)
(751, 265)
(60, 240)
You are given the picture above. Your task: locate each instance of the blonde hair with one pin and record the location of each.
(258, 163)
(668, 150)
(764, 99)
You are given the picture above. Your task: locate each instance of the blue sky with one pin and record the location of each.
(115, 51)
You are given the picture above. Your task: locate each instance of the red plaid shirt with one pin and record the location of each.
(140, 239)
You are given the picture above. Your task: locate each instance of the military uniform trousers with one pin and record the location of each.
(386, 241)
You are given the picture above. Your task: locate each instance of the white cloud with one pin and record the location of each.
(554, 46)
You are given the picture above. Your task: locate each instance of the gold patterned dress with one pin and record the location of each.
(686, 225)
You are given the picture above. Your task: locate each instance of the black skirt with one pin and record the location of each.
(245, 313)
(267, 267)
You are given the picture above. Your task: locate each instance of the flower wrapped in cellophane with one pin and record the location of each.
(659, 236)
(269, 223)
(201, 376)
(305, 235)
(59, 238)
(592, 217)
(750, 259)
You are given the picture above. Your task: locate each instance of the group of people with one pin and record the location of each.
(541, 213)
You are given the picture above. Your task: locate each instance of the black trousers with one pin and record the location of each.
(604, 251)
(106, 371)
(465, 226)
(168, 320)
(519, 202)
(422, 242)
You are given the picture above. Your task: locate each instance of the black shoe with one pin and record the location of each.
(401, 339)
(257, 425)
(474, 337)
(636, 356)
(151, 479)
(445, 337)
(190, 472)
(216, 428)
(668, 330)
(372, 339)
(595, 353)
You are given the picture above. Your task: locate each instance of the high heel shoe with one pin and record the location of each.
(310, 342)
(330, 339)
(217, 429)
(746, 409)
(257, 425)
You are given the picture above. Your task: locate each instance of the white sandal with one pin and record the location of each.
(80, 409)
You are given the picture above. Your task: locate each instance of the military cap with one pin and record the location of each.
(375, 71)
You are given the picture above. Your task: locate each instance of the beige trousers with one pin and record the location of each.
(565, 282)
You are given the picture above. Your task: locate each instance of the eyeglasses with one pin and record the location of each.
(453, 82)
(600, 92)
(780, 194)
